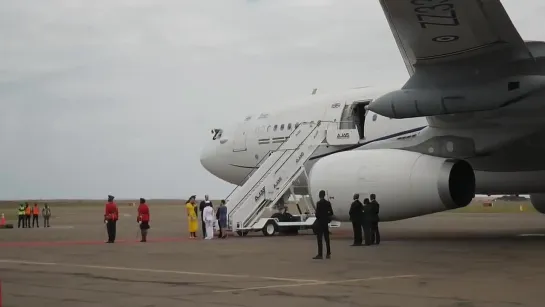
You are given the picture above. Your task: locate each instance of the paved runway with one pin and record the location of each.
(460, 260)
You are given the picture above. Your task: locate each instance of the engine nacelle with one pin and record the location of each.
(407, 184)
(538, 201)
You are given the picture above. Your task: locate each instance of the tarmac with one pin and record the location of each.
(447, 259)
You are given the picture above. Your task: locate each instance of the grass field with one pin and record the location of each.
(9, 208)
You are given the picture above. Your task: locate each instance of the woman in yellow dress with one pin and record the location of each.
(192, 217)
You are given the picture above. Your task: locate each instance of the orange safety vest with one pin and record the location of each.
(27, 210)
(36, 211)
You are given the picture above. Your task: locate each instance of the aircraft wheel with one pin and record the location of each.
(270, 228)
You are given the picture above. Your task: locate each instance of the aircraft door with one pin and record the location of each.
(239, 141)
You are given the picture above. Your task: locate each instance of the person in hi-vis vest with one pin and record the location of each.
(35, 215)
(21, 215)
(28, 213)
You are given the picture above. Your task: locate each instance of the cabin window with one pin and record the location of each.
(289, 126)
(281, 127)
(375, 117)
(269, 128)
(275, 127)
(312, 123)
(296, 125)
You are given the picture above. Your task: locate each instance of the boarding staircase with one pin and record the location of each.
(272, 179)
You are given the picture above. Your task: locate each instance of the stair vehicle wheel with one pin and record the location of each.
(270, 228)
(242, 233)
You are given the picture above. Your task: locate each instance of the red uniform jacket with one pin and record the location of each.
(143, 213)
(111, 212)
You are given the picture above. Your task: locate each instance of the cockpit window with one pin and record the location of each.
(216, 133)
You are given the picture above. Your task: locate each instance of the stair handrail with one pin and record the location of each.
(301, 143)
(263, 159)
(266, 173)
(234, 209)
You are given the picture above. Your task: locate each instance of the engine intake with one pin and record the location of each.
(407, 184)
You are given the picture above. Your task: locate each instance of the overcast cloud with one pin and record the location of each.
(118, 96)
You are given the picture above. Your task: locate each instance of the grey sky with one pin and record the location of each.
(105, 96)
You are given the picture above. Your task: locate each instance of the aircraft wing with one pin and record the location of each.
(436, 32)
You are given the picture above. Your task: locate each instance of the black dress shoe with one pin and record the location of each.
(318, 257)
(328, 256)
(356, 244)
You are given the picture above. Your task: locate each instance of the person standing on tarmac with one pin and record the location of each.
(46, 213)
(143, 219)
(192, 217)
(221, 216)
(27, 215)
(35, 215)
(375, 209)
(324, 214)
(367, 220)
(21, 216)
(356, 217)
(205, 203)
(111, 215)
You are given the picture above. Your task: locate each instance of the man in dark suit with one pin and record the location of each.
(205, 203)
(375, 209)
(356, 217)
(324, 214)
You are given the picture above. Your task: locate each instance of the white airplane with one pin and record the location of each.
(470, 119)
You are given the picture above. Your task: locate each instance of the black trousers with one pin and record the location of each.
(367, 234)
(35, 219)
(357, 227)
(27, 220)
(375, 234)
(111, 228)
(203, 227)
(21, 221)
(322, 232)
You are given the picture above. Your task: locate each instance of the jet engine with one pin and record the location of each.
(406, 184)
(538, 201)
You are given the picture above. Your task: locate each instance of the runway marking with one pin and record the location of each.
(111, 268)
(318, 283)
(60, 243)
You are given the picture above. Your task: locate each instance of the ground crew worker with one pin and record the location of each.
(46, 213)
(35, 214)
(356, 217)
(324, 214)
(111, 215)
(27, 215)
(367, 221)
(375, 234)
(192, 223)
(143, 219)
(205, 203)
(21, 216)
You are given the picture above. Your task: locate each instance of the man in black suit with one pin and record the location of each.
(324, 214)
(205, 203)
(375, 209)
(356, 217)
